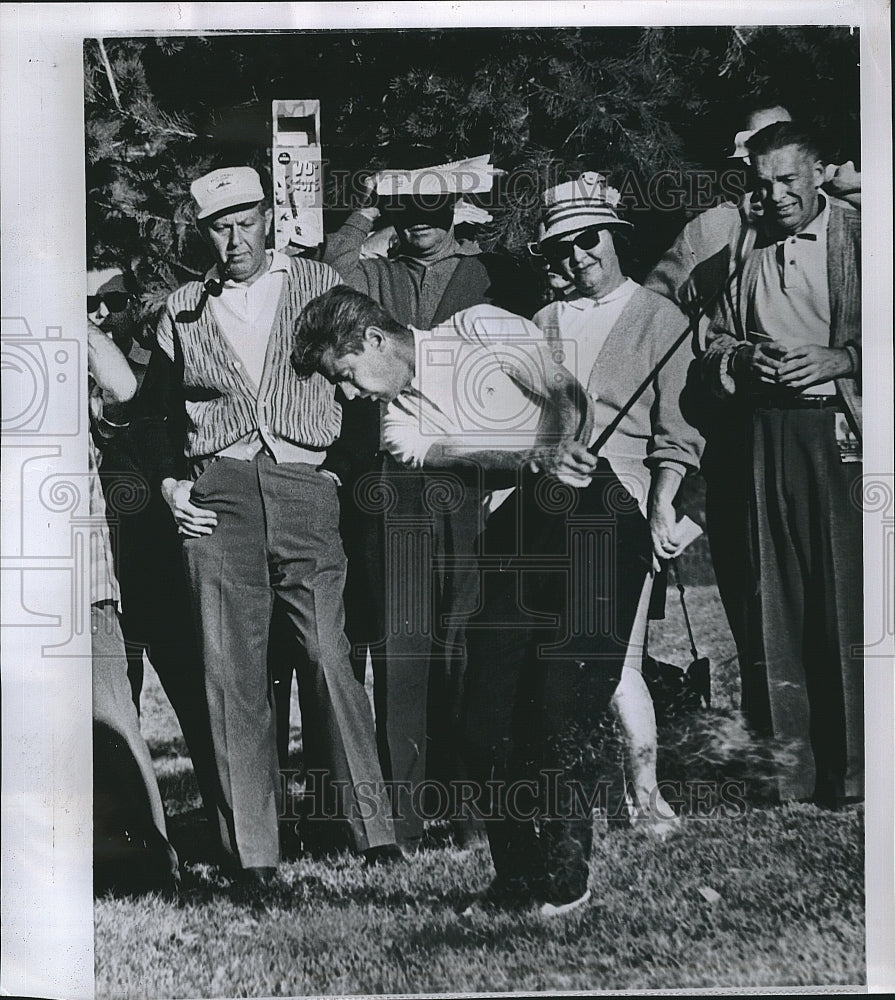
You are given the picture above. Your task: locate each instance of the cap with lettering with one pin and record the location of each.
(225, 188)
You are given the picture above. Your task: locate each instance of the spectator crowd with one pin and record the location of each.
(389, 457)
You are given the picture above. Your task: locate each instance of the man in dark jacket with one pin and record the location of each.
(155, 618)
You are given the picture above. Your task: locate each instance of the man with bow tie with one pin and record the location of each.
(785, 344)
(239, 449)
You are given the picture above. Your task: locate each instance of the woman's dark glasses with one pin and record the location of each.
(116, 302)
(560, 250)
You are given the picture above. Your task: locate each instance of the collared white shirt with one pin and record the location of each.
(245, 314)
(464, 390)
(463, 387)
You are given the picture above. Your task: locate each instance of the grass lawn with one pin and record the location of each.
(765, 896)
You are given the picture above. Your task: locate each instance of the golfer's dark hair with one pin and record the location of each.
(334, 324)
(780, 134)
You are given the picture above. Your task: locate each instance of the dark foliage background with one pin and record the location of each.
(546, 103)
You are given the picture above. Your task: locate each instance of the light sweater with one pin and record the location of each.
(654, 434)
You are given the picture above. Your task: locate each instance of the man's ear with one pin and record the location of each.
(820, 173)
(375, 337)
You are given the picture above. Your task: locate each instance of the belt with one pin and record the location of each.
(796, 402)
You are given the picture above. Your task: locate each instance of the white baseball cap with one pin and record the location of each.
(757, 120)
(225, 188)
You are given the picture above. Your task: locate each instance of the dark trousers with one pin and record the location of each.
(277, 539)
(727, 480)
(157, 622)
(410, 540)
(805, 533)
(285, 659)
(545, 656)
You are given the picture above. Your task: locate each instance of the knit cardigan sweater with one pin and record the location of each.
(197, 388)
(654, 434)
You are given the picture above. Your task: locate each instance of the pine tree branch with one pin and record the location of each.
(109, 73)
(140, 214)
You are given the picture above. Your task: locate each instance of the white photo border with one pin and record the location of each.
(47, 904)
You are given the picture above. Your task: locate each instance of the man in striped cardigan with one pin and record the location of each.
(245, 477)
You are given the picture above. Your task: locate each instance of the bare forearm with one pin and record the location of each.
(109, 368)
(663, 521)
(664, 484)
(453, 454)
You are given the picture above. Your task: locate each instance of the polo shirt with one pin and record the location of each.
(464, 386)
(791, 302)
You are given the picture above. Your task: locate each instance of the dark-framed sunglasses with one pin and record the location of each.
(116, 302)
(560, 250)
